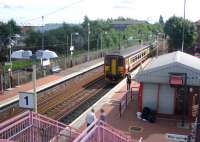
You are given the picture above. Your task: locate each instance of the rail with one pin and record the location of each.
(54, 83)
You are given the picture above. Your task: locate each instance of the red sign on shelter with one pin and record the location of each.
(176, 80)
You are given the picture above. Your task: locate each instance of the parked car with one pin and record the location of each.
(55, 69)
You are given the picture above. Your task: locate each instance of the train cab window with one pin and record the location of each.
(120, 61)
(107, 60)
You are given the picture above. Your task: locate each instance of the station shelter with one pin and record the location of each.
(169, 84)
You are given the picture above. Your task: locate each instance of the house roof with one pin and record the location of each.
(174, 57)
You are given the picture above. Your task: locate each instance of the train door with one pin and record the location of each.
(114, 66)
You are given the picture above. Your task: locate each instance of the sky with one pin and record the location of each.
(30, 12)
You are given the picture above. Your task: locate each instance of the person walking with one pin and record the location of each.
(128, 80)
(103, 115)
(90, 118)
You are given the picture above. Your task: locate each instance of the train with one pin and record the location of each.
(118, 64)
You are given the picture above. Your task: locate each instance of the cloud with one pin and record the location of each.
(6, 6)
(123, 4)
(19, 7)
(121, 7)
(126, 1)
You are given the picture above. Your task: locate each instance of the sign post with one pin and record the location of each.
(71, 51)
(26, 100)
(197, 137)
(176, 137)
(180, 79)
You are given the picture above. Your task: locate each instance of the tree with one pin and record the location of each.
(174, 28)
(7, 30)
(161, 21)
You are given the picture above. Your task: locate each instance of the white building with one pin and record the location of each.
(169, 82)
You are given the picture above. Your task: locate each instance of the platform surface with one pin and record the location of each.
(12, 95)
(129, 123)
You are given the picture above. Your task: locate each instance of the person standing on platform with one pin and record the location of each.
(128, 80)
(103, 115)
(90, 118)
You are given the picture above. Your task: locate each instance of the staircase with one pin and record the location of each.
(33, 127)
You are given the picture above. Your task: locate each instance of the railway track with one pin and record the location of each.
(59, 103)
(67, 119)
(73, 101)
(67, 108)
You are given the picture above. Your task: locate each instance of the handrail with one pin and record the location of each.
(140, 139)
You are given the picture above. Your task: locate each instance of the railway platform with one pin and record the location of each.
(128, 122)
(11, 96)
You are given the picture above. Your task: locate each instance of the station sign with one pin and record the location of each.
(177, 137)
(26, 100)
(176, 80)
(45, 62)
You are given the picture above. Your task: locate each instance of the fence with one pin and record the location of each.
(25, 75)
(33, 127)
(128, 96)
(102, 132)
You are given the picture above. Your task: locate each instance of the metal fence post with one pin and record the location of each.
(197, 137)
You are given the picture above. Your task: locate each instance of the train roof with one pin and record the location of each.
(128, 51)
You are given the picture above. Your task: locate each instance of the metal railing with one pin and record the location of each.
(100, 131)
(33, 127)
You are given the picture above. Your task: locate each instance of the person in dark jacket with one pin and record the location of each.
(128, 80)
(103, 115)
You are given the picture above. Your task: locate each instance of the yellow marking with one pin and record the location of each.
(133, 129)
(107, 68)
(113, 65)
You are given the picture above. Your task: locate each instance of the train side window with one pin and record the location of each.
(195, 99)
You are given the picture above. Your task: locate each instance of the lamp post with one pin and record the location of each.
(183, 33)
(101, 43)
(40, 54)
(66, 50)
(42, 32)
(34, 81)
(88, 56)
(72, 48)
(11, 44)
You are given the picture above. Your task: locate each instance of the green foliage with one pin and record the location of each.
(18, 64)
(7, 30)
(143, 31)
(161, 21)
(174, 28)
(101, 32)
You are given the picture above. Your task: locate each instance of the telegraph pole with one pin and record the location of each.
(42, 32)
(88, 56)
(183, 33)
(101, 43)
